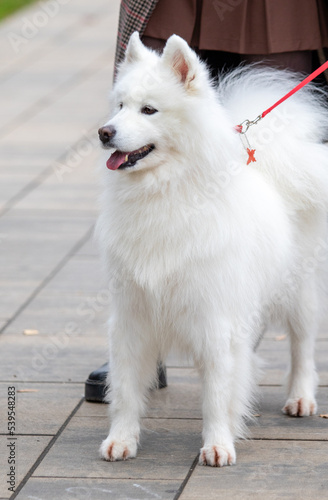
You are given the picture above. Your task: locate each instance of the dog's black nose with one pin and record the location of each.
(106, 133)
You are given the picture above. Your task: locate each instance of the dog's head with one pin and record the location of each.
(151, 104)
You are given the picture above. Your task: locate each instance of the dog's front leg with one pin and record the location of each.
(132, 369)
(218, 442)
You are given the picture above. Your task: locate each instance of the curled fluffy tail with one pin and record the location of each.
(290, 141)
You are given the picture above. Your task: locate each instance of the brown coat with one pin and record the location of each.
(238, 26)
(243, 26)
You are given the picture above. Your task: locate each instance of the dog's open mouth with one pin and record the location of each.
(121, 160)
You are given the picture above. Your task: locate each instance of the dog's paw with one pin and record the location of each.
(217, 455)
(300, 407)
(112, 449)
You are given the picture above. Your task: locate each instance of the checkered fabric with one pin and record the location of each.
(134, 15)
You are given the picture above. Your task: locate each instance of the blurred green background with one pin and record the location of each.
(7, 7)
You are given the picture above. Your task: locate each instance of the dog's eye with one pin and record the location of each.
(148, 110)
(120, 105)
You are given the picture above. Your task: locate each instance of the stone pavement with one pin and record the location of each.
(56, 67)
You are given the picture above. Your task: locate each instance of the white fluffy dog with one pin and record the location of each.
(205, 250)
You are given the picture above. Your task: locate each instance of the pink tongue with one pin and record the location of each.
(116, 160)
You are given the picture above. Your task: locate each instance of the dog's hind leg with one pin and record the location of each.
(132, 364)
(302, 323)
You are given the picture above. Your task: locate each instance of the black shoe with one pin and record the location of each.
(95, 385)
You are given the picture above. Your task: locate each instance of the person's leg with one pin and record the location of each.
(218, 61)
(153, 43)
(296, 61)
(96, 383)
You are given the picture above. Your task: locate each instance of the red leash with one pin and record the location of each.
(244, 126)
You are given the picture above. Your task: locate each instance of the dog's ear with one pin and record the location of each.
(135, 50)
(179, 56)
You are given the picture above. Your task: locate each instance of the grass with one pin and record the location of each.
(7, 7)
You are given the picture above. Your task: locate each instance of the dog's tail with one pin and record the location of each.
(291, 141)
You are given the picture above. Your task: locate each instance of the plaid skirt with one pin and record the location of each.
(134, 16)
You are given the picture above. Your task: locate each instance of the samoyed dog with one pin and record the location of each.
(205, 245)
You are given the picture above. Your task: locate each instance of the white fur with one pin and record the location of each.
(204, 250)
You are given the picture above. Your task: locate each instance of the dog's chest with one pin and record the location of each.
(156, 238)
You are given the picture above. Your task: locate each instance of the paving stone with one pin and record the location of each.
(62, 196)
(70, 152)
(63, 357)
(81, 276)
(53, 314)
(275, 354)
(33, 132)
(277, 334)
(90, 249)
(31, 93)
(273, 424)
(76, 294)
(183, 400)
(180, 400)
(18, 162)
(73, 103)
(3, 322)
(96, 83)
(45, 150)
(91, 325)
(42, 409)
(168, 447)
(13, 56)
(39, 86)
(176, 359)
(27, 450)
(9, 186)
(265, 469)
(69, 20)
(31, 248)
(91, 489)
(77, 154)
(88, 409)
